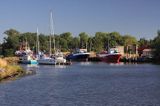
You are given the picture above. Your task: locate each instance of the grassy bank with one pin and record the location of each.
(11, 60)
(7, 70)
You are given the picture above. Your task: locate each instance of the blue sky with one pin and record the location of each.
(140, 18)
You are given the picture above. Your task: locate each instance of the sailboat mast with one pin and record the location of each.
(52, 32)
(37, 51)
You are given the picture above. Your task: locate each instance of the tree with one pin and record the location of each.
(0, 49)
(75, 42)
(143, 44)
(63, 44)
(116, 39)
(129, 42)
(68, 37)
(98, 41)
(30, 38)
(156, 46)
(11, 42)
(90, 43)
(83, 39)
(43, 42)
(12, 33)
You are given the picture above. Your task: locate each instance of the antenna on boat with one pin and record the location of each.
(108, 45)
(51, 32)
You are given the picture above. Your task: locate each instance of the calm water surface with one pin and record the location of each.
(85, 84)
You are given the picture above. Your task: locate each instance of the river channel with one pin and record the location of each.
(85, 84)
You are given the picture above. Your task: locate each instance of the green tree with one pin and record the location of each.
(156, 46)
(68, 37)
(116, 39)
(12, 33)
(129, 41)
(63, 44)
(30, 38)
(43, 42)
(83, 39)
(11, 42)
(98, 41)
(90, 43)
(75, 42)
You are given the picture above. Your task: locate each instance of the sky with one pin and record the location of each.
(139, 18)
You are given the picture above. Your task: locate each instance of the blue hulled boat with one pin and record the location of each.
(78, 55)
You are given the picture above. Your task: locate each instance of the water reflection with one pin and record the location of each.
(116, 64)
(32, 65)
(85, 84)
(60, 66)
(85, 63)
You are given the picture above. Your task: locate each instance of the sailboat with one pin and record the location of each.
(58, 55)
(52, 59)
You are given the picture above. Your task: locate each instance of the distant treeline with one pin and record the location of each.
(67, 42)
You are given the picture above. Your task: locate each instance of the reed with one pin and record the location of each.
(11, 60)
(7, 70)
(3, 63)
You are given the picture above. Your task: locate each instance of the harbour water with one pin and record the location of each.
(85, 84)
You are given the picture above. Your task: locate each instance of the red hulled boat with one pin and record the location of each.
(111, 57)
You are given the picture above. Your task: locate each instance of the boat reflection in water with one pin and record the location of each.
(117, 64)
(60, 66)
(85, 63)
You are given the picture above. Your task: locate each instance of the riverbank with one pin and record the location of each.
(11, 60)
(8, 70)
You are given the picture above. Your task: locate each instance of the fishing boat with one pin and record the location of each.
(79, 55)
(111, 56)
(25, 55)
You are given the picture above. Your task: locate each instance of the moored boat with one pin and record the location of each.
(25, 55)
(52, 59)
(59, 57)
(113, 56)
(46, 60)
(27, 59)
(79, 55)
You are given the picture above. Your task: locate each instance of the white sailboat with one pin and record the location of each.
(52, 59)
(58, 55)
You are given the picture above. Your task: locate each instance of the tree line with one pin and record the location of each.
(67, 42)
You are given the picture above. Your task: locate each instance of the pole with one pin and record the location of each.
(52, 32)
(37, 44)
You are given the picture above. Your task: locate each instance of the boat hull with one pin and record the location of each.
(111, 58)
(28, 61)
(80, 57)
(46, 61)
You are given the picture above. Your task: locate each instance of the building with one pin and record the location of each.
(120, 49)
(147, 53)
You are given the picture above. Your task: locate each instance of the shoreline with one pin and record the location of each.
(16, 75)
(9, 70)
